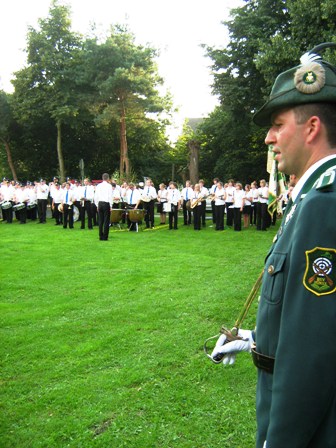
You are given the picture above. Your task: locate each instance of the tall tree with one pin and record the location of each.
(6, 122)
(126, 81)
(47, 85)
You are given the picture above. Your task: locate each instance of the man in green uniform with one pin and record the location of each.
(295, 339)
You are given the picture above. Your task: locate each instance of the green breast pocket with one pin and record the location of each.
(273, 281)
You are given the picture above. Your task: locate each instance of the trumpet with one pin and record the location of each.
(232, 335)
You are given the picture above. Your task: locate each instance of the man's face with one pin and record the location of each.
(287, 138)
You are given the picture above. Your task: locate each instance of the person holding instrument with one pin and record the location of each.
(295, 350)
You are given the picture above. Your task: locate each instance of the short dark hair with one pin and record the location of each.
(325, 111)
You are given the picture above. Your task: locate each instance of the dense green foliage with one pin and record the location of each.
(266, 38)
(102, 342)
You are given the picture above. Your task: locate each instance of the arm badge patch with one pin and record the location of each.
(320, 273)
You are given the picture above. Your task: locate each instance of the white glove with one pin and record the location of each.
(230, 349)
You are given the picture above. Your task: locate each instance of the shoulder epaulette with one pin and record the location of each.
(326, 179)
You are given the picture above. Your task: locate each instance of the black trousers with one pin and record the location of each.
(213, 208)
(263, 218)
(203, 211)
(219, 216)
(57, 215)
(67, 216)
(86, 208)
(237, 214)
(104, 220)
(229, 214)
(42, 209)
(149, 216)
(23, 215)
(186, 213)
(197, 211)
(173, 215)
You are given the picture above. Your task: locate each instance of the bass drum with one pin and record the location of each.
(75, 213)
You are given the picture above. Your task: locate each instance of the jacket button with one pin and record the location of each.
(270, 269)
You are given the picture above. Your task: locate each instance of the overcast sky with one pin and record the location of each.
(176, 27)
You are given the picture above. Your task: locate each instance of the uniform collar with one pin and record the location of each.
(302, 183)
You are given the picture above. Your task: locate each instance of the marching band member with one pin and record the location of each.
(219, 202)
(67, 203)
(186, 194)
(87, 198)
(148, 197)
(247, 210)
(196, 200)
(21, 197)
(115, 195)
(230, 191)
(162, 198)
(103, 201)
(32, 202)
(204, 192)
(212, 193)
(7, 192)
(174, 199)
(255, 202)
(238, 205)
(42, 191)
(133, 198)
(262, 213)
(57, 197)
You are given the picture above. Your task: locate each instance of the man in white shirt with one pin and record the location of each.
(104, 200)
(186, 195)
(42, 191)
(148, 197)
(204, 194)
(68, 200)
(87, 198)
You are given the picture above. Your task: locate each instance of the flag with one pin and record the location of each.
(276, 185)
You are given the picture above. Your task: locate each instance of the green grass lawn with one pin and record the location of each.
(102, 342)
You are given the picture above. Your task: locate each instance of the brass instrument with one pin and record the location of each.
(232, 335)
(196, 202)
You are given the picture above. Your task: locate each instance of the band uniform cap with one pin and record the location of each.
(313, 81)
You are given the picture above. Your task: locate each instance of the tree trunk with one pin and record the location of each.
(194, 149)
(10, 160)
(59, 151)
(124, 160)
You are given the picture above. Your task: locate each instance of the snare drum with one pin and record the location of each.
(19, 206)
(6, 204)
(31, 205)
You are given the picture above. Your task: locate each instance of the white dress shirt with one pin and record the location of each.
(103, 193)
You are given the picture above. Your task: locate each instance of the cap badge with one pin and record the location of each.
(310, 78)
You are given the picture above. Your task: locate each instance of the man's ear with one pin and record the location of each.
(313, 128)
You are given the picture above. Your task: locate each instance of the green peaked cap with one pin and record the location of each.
(313, 81)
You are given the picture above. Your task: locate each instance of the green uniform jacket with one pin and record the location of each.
(296, 324)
